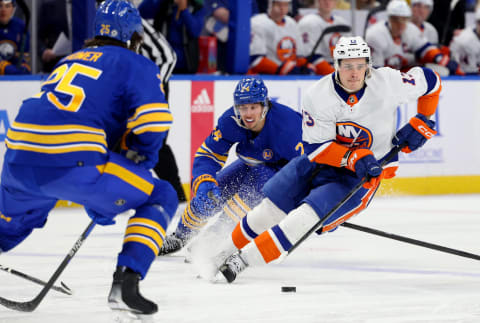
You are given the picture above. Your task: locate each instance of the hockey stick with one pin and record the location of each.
(411, 241)
(370, 14)
(62, 289)
(354, 190)
(453, 3)
(328, 30)
(30, 306)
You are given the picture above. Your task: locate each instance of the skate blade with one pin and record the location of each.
(126, 316)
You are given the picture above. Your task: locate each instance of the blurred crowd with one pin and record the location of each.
(288, 37)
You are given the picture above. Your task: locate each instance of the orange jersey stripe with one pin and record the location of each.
(332, 155)
(427, 104)
(357, 210)
(267, 247)
(238, 238)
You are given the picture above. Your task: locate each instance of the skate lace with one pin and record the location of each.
(236, 263)
(172, 243)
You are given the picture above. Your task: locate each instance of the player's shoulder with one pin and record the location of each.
(283, 121)
(378, 27)
(260, 19)
(339, 20)
(289, 21)
(429, 26)
(378, 34)
(312, 19)
(17, 24)
(383, 74)
(466, 34)
(282, 111)
(412, 30)
(319, 91)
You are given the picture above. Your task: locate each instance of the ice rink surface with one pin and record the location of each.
(344, 276)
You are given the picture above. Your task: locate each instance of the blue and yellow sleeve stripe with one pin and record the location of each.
(55, 139)
(204, 151)
(154, 117)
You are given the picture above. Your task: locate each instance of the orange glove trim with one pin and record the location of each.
(265, 66)
(324, 68)
(355, 156)
(422, 127)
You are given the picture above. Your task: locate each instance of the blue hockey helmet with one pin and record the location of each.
(250, 89)
(117, 19)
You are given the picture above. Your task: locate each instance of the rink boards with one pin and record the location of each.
(449, 163)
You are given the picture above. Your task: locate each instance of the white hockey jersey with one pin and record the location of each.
(465, 49)
(399, 53)
(311, 28)
(370, 122)
(278, 42)
(429, 32)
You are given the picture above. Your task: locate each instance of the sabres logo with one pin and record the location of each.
(351, 134)
(267, 154)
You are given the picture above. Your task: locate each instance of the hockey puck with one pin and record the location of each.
(289, 289)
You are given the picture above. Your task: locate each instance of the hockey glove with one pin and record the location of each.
(363, 163)
(415, 134)
(207, 197)
(99, 218)
(288, 67)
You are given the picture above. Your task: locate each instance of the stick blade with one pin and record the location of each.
(29, 306)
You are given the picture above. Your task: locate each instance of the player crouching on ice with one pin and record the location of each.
(349, 122)
(58, 149)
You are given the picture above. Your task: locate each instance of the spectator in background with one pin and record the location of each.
(311, 28)
(421, 10)
(181, 21)
(275, 44)
(14, 41)
(264, 5)
(465, 47)
(53, 30)
(446, 20)
(360, 4)
(399, 44)
(217, 13)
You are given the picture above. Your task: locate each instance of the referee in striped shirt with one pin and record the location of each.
(156, 47)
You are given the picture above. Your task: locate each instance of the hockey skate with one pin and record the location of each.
(232, 266)
(171, 244)
(125, 295)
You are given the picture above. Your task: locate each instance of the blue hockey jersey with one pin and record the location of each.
(92, 98)
(279, 141)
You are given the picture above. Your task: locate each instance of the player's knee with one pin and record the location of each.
(164, 194)
(263, 216)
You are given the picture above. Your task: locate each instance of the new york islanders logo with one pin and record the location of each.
(351, 134)
(286, 48)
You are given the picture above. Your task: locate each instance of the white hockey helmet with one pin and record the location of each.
(399, 8)
(425, 2)
(271, 1)
(351, 47)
